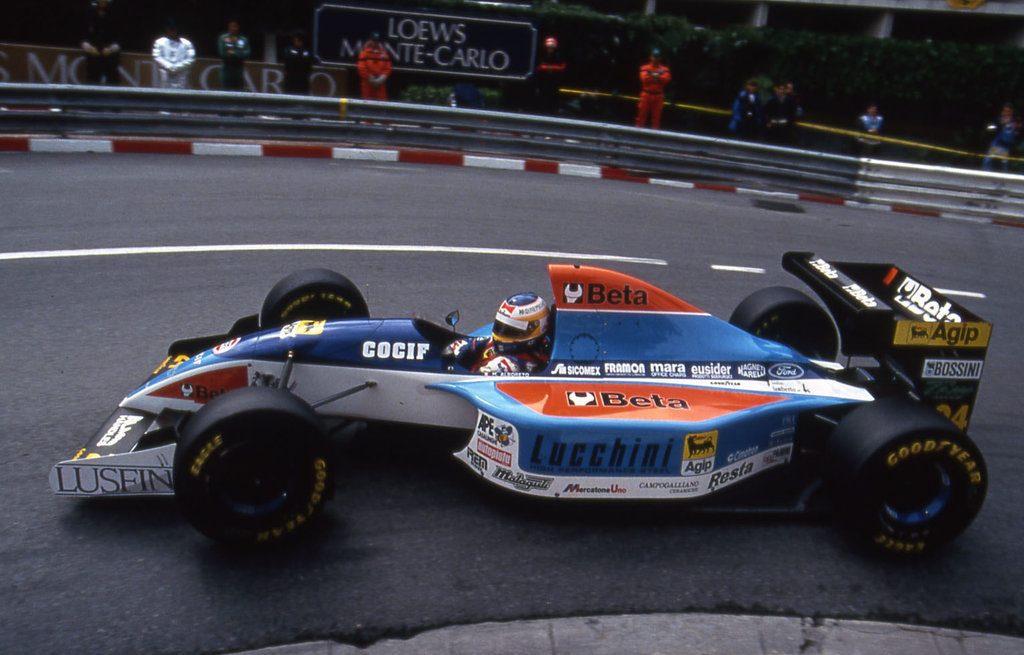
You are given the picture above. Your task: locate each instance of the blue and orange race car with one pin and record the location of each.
(645, 397)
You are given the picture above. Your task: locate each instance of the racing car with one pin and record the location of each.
(644, 396)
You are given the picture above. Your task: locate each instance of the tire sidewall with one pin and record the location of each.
(272, 423)
(862, 470)
(316, 293)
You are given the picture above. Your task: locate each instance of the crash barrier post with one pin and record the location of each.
(79, 110)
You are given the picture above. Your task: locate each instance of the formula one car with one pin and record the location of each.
(644, 396)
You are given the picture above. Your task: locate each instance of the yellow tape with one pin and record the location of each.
(343, 108)
(809, 126)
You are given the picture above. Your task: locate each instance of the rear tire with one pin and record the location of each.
(252, 466)
(312, 294)
(790, 317)
(904, 478)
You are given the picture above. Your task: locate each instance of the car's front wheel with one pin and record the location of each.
(252, 466)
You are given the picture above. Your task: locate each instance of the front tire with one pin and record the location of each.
(905, 479)
(790, 317)
(312, 294)
(252, 466)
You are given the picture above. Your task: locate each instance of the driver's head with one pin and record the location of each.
(521, 323)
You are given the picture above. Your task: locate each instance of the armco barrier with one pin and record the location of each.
(71, 110)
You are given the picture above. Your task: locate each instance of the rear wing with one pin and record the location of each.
(927, 341)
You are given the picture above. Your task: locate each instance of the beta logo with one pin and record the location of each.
(920, 300)
(596, 293)
(619, 399)
(118, 430)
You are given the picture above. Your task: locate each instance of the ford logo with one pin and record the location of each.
(786, 371)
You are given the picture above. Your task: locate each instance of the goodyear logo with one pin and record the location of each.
(972, 334)
(698, 445)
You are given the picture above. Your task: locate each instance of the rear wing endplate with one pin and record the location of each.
(926, 339)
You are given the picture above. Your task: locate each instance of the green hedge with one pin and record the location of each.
(926, 89)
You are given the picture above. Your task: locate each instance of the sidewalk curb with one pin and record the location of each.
(435, 157)
(665, 634)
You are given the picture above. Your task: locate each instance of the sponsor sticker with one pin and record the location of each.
(849, 287)
(476, 461)
(303, 328)
(699, 445)
(576, 370)
(667, 370)
(576, 488)
(226, 346)
(91, 480)
(971, 334)
(204, 387)
(952, 369)
(711, 371)
(728, 476)
(521, 481)
(625, 369)
(921, 300)
(597, 293)
(788, 386)
(753, 371)
(786, 372)
(118, 430)
(400, 350)
(495, 431)
(494, 454)
(673, 487)
(741, 454)
(596, 456)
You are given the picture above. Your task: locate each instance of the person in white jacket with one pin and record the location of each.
(174, 56)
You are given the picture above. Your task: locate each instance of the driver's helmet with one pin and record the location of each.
(521, 323)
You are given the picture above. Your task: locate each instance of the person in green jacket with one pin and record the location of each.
(233, 48)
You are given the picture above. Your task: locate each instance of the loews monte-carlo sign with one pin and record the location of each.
(429, 43)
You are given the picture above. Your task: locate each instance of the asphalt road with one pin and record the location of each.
(412, 541)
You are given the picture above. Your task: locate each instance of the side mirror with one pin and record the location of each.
(452, 319)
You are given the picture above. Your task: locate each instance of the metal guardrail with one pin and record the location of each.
(84, 110)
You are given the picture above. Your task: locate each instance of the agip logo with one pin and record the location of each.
(698, 445)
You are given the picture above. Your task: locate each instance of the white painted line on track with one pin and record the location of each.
(325, 247)
(965, 294)
(737, 269)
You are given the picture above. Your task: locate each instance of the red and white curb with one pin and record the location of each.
(438, 157)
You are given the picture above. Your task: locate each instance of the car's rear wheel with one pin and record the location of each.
(252, 466)
(904, 478)
(312, 294)
(790, 317)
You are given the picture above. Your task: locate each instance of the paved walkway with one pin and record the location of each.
(677, 634)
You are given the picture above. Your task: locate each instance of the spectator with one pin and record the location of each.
(374, 66)
(654, 77)
(174, 57)
(779, 116)
(466, 95)
(102, 52)
(233, 48)
(747, 113)
(298, 64)
(870, 124)
(548, 77)
(1007, 132)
